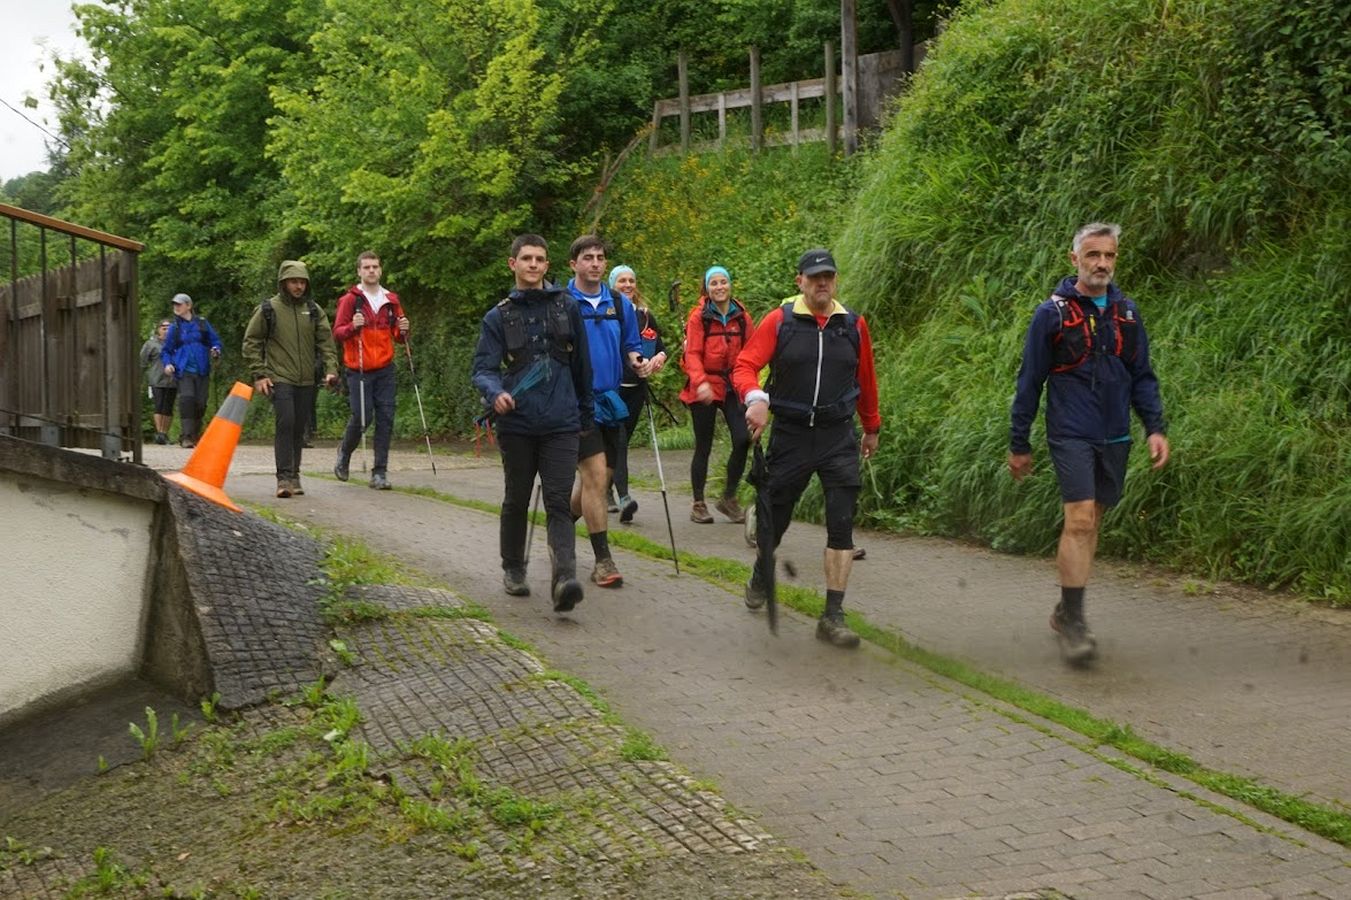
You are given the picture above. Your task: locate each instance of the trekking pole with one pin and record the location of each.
(764, 537)
(530, 535)
(426, 434)
(652, 424)
(361, 391)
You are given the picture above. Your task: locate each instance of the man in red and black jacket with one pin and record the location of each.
(821, 375)
(368, 322)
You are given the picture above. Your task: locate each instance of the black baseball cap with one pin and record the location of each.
(814, 262)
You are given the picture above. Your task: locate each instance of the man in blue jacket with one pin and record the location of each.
(1088, 345)
(532, 369)
(611, 337)
(189, 347)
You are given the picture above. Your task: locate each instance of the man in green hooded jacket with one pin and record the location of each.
(285, 336)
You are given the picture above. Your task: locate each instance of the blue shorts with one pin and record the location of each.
(1090, 471)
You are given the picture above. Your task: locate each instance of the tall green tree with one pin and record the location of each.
(430, 133)
(167, 125)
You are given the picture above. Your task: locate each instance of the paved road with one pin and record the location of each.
(896, 781)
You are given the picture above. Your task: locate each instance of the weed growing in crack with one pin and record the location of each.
(147, 738)
(208, 706)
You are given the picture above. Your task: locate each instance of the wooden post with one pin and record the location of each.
(831, 90)
(722, 120)
(682, 67)
(849, 58)
(757, 118)
(903, 17)
(792, 103)
(655, 142)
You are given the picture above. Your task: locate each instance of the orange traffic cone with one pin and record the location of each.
(205, 472)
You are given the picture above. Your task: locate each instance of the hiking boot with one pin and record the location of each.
(379, 482)
(699, 513)
(611, 504)
(161, 438)
(567, 594)
(187, 443)
(860, 553)
(627, 507)
(731, 509)
(296, 488)
(1077, 643)
(283, 489)
(342, 468)
(606, 573)
(831, 629)
(513, 582)
(756, 595)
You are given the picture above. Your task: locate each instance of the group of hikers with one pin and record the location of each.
(563, 373)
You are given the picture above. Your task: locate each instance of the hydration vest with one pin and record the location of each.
(526, 344)
(814, 374)
(734, 329)
(1074, 342)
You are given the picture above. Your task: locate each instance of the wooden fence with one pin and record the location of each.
(70, 339)
(879, 77)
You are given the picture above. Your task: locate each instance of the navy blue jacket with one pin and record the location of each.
(561, 401)
(1093, 401)
(188, 346)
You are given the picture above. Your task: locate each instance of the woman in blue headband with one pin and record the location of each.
(717, 329)
(633, 388)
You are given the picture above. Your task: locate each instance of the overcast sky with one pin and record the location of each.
(29, 25)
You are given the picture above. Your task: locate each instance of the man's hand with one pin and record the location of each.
(331, 379)
(1158, 450)
(169, 369)
(704, 394)
(869, 445)
(358, 320)
(503, 403)
(263, 386)
(403, 324)
(215, 353)
(658, 362)
(1020, 465)
(757, 417)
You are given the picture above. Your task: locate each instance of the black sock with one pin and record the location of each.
(600, 544)
(835, 603)
(1072, 601)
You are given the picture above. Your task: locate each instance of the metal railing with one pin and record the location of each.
(70, 338)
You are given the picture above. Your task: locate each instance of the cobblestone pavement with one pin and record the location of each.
(893, 780)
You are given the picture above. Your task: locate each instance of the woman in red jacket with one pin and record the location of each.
(718, 328)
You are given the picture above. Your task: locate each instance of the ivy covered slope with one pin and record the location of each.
(1218, 133)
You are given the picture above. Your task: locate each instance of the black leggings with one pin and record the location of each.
(634, 396)
(703, 416)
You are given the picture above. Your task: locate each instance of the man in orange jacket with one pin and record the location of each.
(368, 322)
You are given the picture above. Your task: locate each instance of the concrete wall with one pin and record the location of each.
(76, 563)
(76, 554)
(107, 570)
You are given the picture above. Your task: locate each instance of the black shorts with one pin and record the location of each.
(601, 439)
(1090, 471)
(796, 452)
(164, 400)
